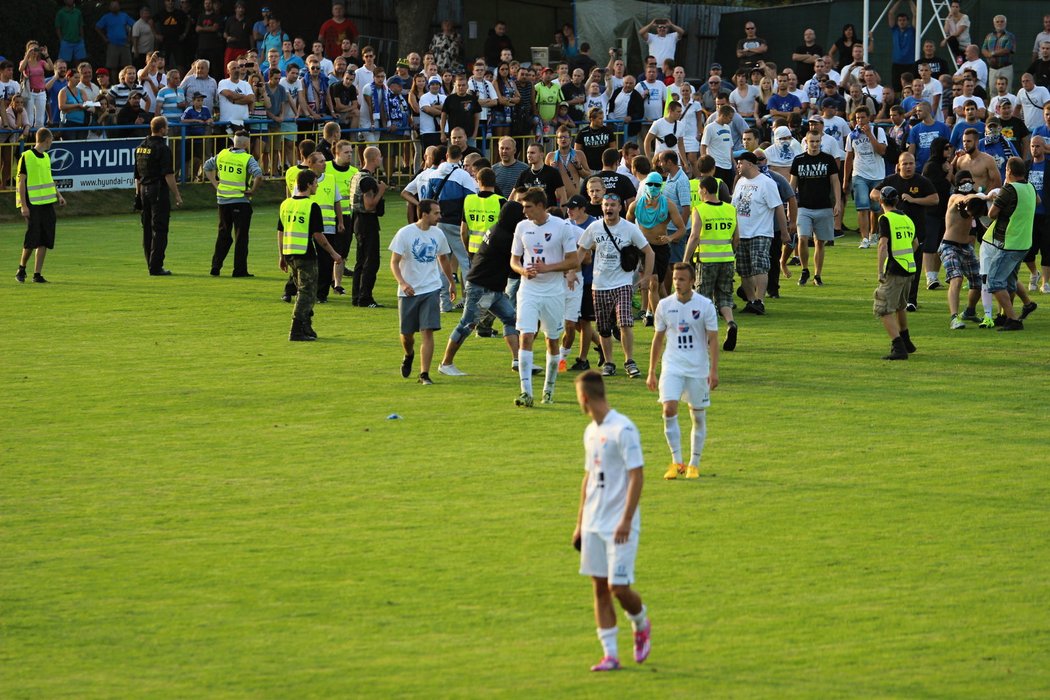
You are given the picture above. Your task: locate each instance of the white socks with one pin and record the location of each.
(565, 353)
(525, 370)
(608, 639)
(552, 372)
(674, 438)
(987, 301)
(698, 437)
(637, 621)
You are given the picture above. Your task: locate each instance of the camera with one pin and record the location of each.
(615, 51)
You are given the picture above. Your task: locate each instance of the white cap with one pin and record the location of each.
(781, 132)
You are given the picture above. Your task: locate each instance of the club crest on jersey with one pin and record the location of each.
(537, 250)
(546, 236)
(683, 327)
(696, 314)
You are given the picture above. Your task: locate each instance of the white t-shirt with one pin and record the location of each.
(618, 107)
(485, 90)
(590, 102)
(803, 98)
(1032, 104)
(833, 147)
(608, 273)
(756, 200)
(611, 449)
(419, 251)
(660, 129)
(228, 111)
(979, 67)
(719, 141)
(549, 243)
(959, 101)
(428, 123)
(413, 187)
(744, 104)
(653, 95)
(687, 129)
(782, 151)
(866, 162)
(9, 89)
(686, 325)
(363, 77)
(837, 128)
(662, 47)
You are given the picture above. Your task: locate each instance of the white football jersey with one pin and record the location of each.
(686, 325)
(612, 450)
(549, 243)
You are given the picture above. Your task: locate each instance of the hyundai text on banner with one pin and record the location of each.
(94, 165)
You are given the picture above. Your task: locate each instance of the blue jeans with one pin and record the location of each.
(1001, 267)
(478, 301)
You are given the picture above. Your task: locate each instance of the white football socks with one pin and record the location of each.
(987, 301)
(638, 621)
(552, 373)
(674, 438)
(525, 370)
(698, 437)
(607, 636)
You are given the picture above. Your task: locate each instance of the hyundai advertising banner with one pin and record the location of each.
(94, 165)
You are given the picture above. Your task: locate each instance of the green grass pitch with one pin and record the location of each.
(192, 506)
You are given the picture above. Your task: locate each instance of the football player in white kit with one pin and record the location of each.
(544, 249)
(609, 522)
(689, 322)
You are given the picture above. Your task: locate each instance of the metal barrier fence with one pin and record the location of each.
(276, 150)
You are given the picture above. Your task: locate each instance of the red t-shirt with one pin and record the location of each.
(332, 34)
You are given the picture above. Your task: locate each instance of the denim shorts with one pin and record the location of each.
(862, 188)
(1001, 267)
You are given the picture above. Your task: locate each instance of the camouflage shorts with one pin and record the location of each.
(302, 273)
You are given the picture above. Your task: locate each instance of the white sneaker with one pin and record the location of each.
(864, 243)
(1046, 287)
(451, 371)
(1033, 283)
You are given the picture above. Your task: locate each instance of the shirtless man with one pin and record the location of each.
(956, 250)
(652, 211)
(982, 167)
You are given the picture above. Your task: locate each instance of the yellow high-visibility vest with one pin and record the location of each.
(343, 180)
(40, 188)
(295, 221)
(325, 199)
(233, 174)
(480, 214)
(902, 233)
(715, 242)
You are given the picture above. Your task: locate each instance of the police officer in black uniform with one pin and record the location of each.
(154, 177)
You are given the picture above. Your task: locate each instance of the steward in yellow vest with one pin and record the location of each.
(341, 172)
(711, 247)
(35, 197)
(235, 174)
(897, 247)
(480, 211)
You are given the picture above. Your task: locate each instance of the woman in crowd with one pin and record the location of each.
(508, 97)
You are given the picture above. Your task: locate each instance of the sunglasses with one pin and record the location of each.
(654, 185)
(611, 196)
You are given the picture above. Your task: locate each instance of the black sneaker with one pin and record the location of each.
(322, 300)
(730, 342)
(608, 369)
(286, 298)
(910, 307)
(338, 290)
(935, 284)
(482, 333)
(760, 307)
(649, 320)
(969, 315)
(424, 379)
(794, 261)
(20, 276)
(897, 352)
(159, 273)
(214, 272)
(1011, 324)
(1027, 309)
(840, 233)
(631, 367)
(817, 281)
(242, 274)
(750, 308)
(406, 365)
(372, 305)
(1000, 321)
(803, 278)
(39, 278)
(580, 365)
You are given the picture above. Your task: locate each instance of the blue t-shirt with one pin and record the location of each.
(1037, 179)
(908, 103)
(112, 25)
(960, 127)
(1042, 130)
(53, 112)
(191, 113)
(903, 45)
(1001, 150)
(293, 61)
(261, 28)
(787, 103)
(922, 136)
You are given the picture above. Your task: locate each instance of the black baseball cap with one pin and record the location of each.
(575, 202)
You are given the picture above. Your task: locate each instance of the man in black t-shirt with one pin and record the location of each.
(916, 195)
(460, 109)
(815, 176)
(366, 196)
(805, 56)
(154, 180)
(595, 138)
(551, 180)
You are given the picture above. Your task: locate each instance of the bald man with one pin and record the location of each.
(366, 193)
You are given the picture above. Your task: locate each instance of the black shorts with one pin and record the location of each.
(587, 304)
(934, 234)
(41, 228)
(663, 259)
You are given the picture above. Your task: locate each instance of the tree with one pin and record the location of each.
(413, 24)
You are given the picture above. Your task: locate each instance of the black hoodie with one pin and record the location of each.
(490, 266)
(935, 173)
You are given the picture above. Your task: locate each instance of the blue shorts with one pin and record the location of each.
(862, 188)
(678, 249)
(71, 53)
(1001, 267)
